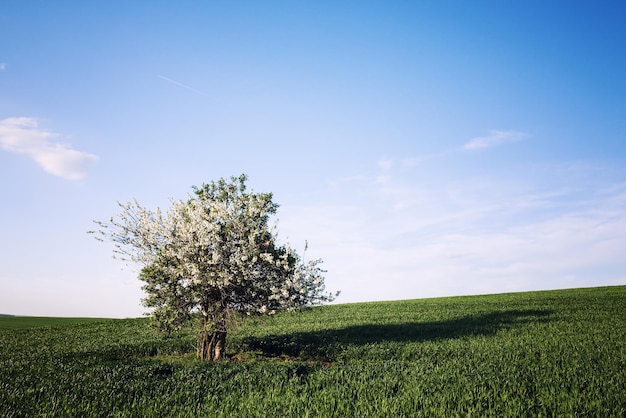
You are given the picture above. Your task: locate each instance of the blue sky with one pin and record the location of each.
(422, 148)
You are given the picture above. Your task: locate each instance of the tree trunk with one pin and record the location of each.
(211, 345)
(218, 345)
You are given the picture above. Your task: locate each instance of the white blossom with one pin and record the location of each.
(214, 253)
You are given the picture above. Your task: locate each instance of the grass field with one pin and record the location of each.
(18, 322)
(554, 353)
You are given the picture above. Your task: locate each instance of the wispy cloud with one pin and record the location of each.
(22, 135)
(416, 236)
(2, 66)
(385, 163)
(185, 86)
(494, 139)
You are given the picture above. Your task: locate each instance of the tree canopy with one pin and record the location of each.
(212, 255)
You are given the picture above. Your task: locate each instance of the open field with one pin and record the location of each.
(15, 322)
(555, 353)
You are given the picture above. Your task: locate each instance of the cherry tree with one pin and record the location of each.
(211, 256)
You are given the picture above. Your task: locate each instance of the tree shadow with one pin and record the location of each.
(327, 344)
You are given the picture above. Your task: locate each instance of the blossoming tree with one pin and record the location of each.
(211, 256)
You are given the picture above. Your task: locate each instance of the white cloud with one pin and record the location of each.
(410, 240)
(385, 164)
(2, 66)
(185, 86)
(340, 182)
(22, 135)
(494, 138)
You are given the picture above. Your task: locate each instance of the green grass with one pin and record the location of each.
(17, 322)
(555, 353)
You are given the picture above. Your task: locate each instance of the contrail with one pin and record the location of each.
(184, 86)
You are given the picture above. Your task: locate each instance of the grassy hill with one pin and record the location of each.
(20, 322)
(554, 353)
